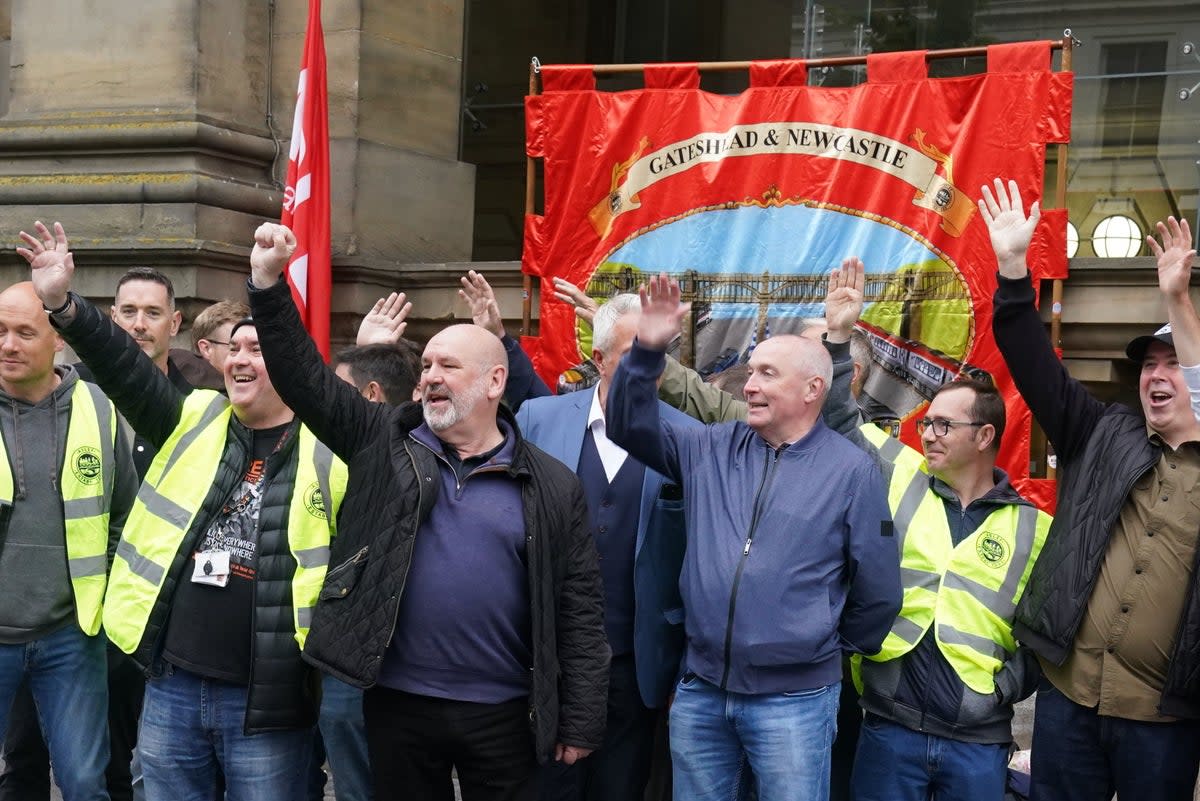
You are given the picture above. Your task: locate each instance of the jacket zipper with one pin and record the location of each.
(458, 485)
(267, 478)
(763, 485)
(408, 563)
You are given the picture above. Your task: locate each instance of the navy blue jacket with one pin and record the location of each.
(790, 556)
(558, 425)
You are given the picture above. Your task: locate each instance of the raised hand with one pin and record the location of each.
(53, 264)
(662, 312)
(478, 294)
(585, 306)
(1011, 231)
(385, 323)
(1175, 256)
(274, 244)
(844, 299)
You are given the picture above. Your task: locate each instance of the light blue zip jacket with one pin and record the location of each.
(790, 555)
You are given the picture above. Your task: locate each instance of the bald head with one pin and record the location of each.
(805, 354)
(463, 372)
(22, 296)
(789, 376)
(27, 345)
(474, 344)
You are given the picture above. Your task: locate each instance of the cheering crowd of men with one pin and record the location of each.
(220, 568)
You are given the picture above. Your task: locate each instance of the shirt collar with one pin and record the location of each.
(1157, 440)
(595, 413)
(1001, 494)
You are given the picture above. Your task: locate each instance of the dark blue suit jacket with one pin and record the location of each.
(557, 425)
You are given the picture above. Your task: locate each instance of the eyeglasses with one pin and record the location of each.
(215, 342)
(942, 427)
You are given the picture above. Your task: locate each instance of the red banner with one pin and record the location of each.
(750, 200)
(306, 197)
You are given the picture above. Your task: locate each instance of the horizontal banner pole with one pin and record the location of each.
(840, 61)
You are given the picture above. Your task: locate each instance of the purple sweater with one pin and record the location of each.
(463, 625)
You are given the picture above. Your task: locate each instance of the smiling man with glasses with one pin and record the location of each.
(211, 330)
(942, 428)
(938, 695)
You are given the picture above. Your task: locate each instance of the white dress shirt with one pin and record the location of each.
(612, 455)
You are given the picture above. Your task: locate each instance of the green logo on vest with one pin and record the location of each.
(993, 551)
(85, 464)
(314, 501)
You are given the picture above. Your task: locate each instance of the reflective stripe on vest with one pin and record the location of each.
(312, 522)
(87, 478)
(969, 592)
(171, 496)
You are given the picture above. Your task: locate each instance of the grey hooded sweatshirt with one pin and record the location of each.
(35, 588)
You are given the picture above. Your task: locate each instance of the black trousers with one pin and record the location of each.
(26, 774)
(620, 770)
(413, 742)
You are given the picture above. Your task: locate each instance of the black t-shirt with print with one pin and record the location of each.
(211, 628)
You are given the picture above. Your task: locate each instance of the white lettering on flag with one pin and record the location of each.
(298, 273)
(299, 149)
(303, 192)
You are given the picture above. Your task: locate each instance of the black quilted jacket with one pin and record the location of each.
(393, 485)
(1102, 450)
(283, 689)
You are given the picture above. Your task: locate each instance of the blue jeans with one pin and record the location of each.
(1080, 755)
(783, 738)
(68, 675)
(192, 730)
(345, 737)
(895, 763)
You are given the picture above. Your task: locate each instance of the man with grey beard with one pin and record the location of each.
(465, 590)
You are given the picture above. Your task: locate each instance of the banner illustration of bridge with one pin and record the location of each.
(750, 200)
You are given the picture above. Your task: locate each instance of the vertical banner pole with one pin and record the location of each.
(530, 190)
(1060, 201)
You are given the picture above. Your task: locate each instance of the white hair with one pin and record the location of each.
(605, 321)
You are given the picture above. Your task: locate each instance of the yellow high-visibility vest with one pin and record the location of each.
(87, 478)
(169, 499)
(967, 592)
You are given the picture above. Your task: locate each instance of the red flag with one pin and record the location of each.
(751, 200)
(306, 197)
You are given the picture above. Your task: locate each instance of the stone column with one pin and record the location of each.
(158, 134)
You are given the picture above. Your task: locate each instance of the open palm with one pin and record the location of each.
(844, 298)
(1174, 256)
(662, 312)
(49, 254)
(1010, 229)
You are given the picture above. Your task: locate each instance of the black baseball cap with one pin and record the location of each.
(1136, 349)
(239, 324)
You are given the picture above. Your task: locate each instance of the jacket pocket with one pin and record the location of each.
(980, 709)
(797, 634)
(340, 581)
